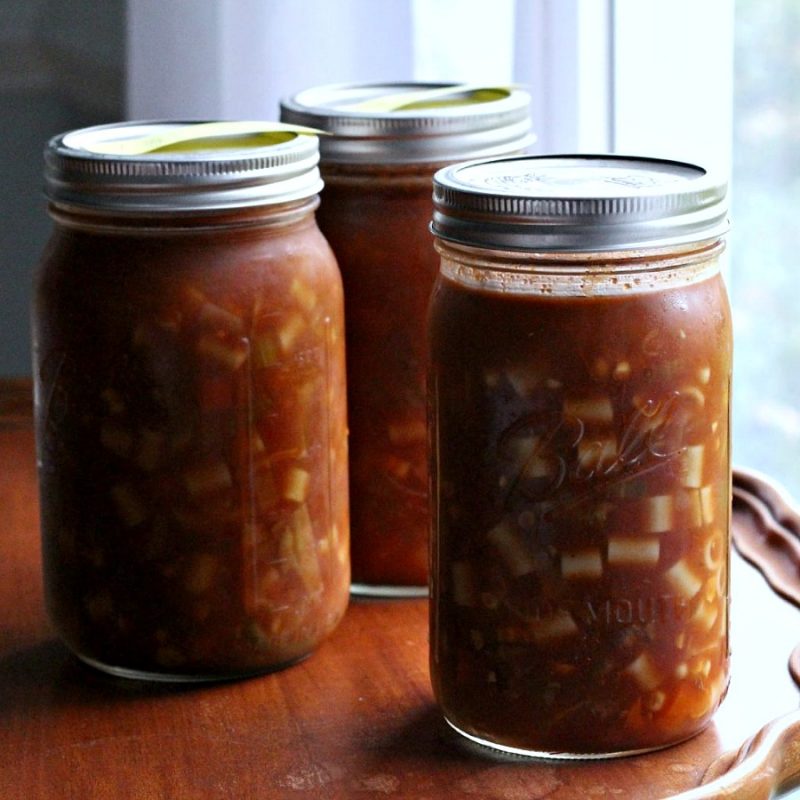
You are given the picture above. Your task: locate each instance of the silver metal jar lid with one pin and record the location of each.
(456, 123)
(92, 168)
(578, 203)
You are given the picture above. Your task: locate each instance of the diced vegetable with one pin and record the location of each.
(296, 483)
(693, 394)
(463, 584)
(341, 545)
(633, 551)
(225, 353)
(266, 349)
(590, 410)
(398, 468)
(523, 380)
(705, 616)
(491, 378)
(585, 564)
(211, 315)
(644, 671)
(658, 513)
(290, 331)
(622, 371)
(692, 466)
(687, 502)
(303, 294)
(511, 548)
(114, 402)
(683, 580)
(298, 546)
(596, 454)
(707, 504)
(654, 701)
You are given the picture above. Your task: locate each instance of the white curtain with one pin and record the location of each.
(237, 58)
(639, 76)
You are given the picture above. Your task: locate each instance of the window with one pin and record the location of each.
(765, 240)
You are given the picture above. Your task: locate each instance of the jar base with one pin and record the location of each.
(500, 750)
(367, 590)
(178, 677)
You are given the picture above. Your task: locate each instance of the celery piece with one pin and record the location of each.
(150, 449)
(705, 616)
(692, 466)
(512, 549)
(558, 625)
(230, 355)
(266, 349)
(299, 546)
(290, 331)
(590, 410)
(303, 294)
(633, 551)
(295, 487)
(683, 580)
(596, 453)
(585, 564)
(621, 371)
(707, 504)
(644, 671)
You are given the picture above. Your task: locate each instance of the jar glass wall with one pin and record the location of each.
(386, 142)
(579, 407)
(191, 430)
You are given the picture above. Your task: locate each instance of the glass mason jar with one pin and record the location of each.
(579, 401)
(378, 164)
(190, 406)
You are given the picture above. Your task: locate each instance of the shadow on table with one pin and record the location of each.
(431, 755)
(48, 675)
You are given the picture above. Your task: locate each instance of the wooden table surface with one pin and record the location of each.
(355, 720)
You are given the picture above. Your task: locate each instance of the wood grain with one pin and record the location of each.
(355, 720)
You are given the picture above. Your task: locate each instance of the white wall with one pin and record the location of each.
(62, 68)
